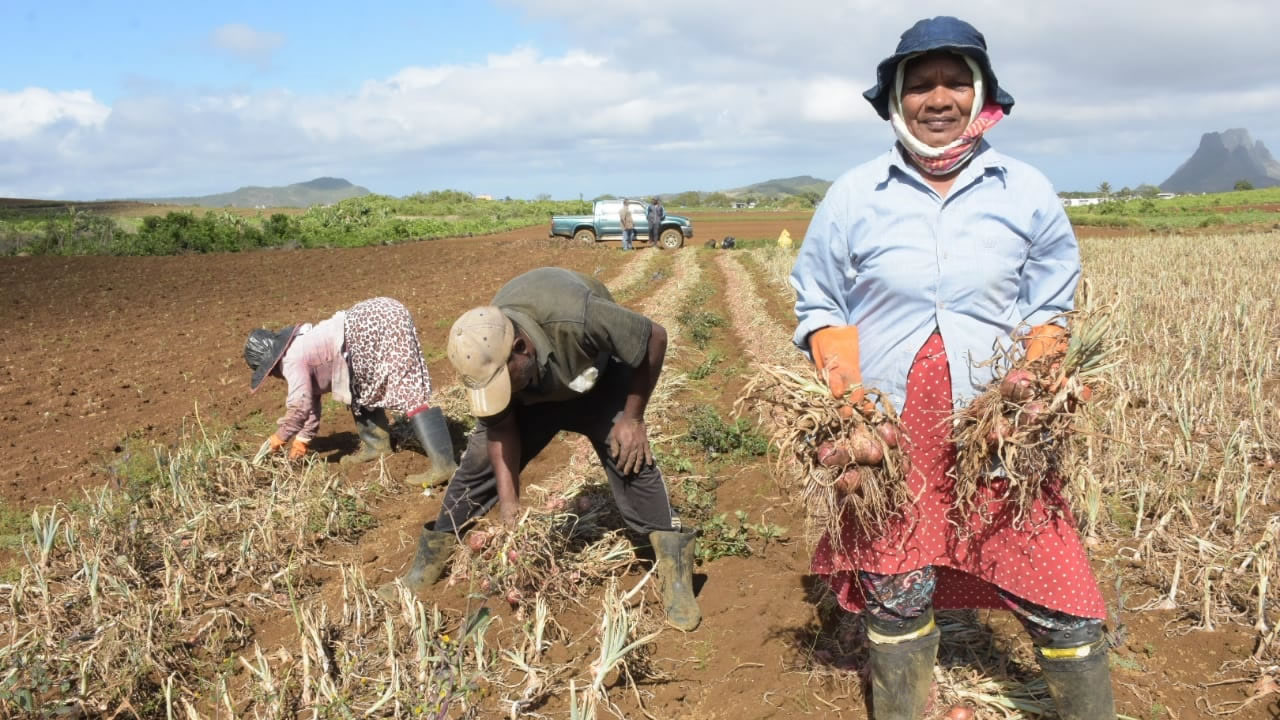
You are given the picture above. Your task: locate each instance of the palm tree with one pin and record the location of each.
(1105, 189)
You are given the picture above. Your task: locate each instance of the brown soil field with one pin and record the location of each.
(103, 356)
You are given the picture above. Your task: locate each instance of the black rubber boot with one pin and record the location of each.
(375, 436)
(902, 668)
(674, 552)
(1079, 685)
(434, 551)
(432, 431)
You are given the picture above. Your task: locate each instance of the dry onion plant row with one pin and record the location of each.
(1187, 441)
(801, 416)
(145, 593)
(635, 275)
(763, 338)
(1019, 429)
(400, 661)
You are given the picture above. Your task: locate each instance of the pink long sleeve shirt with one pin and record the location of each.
(313, 365)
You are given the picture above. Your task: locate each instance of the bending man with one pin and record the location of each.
(554, 352)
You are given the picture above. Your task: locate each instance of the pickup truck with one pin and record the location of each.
(605, 223)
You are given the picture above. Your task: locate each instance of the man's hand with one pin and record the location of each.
(510, 512)
(297, 449)
(629, 446)
(835, 354)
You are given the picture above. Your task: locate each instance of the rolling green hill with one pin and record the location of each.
(783, 186)
(321, 191)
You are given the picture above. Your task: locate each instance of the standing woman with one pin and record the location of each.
(915, 266)
(368, 356)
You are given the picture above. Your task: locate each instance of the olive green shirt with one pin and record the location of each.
(576, 327)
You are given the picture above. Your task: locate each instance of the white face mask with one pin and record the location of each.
(911, 142)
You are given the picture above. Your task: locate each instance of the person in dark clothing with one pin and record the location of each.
(655, 215)
(554, 352)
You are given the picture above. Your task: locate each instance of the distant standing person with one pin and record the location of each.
(628, 225)
(655, 215)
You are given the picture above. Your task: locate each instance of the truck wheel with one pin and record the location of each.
(671, 238)
(586, 236)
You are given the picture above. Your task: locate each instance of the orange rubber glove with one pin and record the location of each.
(276, 441)
(835, 354)
(297, 449)
(1045, 341)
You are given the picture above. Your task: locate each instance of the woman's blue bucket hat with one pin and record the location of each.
(939, 33)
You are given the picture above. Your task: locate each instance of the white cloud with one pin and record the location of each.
(829, 99)
(245, 43)
(26, 112)
(681, 95)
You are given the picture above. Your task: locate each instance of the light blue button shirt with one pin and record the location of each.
(886, 253)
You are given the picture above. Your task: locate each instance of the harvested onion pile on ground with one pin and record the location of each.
(1023, 423)
(852, 465)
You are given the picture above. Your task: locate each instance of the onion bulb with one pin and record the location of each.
(832, 455)
(848, 482)
(478, 540)
(890, 433)
(1018, 385)
(865, 448)
(1033, 413)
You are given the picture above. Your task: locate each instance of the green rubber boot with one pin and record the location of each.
(434, 551)
(375, 436)
(1079, 681)
(674, 552)
(902, 668)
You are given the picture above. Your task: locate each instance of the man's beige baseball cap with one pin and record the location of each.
(479, 345)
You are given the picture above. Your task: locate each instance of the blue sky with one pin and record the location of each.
(570, 97)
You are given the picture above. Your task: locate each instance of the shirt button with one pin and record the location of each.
(939, 304)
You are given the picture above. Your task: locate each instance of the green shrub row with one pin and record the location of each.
(368, 220)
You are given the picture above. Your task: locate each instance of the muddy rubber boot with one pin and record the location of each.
(1079, 681)
(375, 437)
(902, 667)
(434, 551)
(432, 431)
(674, 552)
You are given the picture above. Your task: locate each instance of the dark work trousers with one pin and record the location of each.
(641, 496)
(654, 231)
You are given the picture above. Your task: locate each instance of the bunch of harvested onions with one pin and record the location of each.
(1019, 428)
(845, 467)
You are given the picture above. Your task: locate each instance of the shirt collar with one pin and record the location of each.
(984, 158)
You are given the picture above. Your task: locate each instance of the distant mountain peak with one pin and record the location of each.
(784, 186)
(1223, 159)
(320, 191)
(325, 183)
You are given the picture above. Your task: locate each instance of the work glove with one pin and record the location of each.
(297, 449)
(276, 441)
(1045, 341)
(835, 354)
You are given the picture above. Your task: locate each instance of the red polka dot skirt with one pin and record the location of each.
(1042, 561)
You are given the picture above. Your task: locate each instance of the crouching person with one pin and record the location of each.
(368, 356)
(554, 352)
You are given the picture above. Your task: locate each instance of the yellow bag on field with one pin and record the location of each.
(784, 239)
